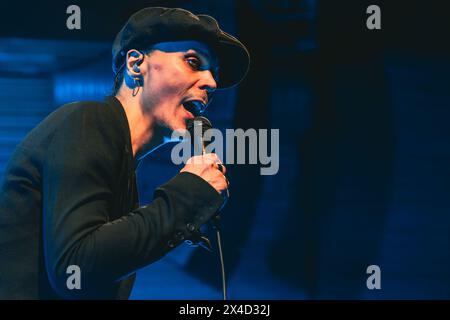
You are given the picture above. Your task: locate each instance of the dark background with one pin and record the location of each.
(364, 141)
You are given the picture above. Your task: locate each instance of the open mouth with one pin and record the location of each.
(196, 107)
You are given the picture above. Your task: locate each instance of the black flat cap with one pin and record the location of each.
(156, 24)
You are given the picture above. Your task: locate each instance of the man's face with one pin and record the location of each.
(177, 79)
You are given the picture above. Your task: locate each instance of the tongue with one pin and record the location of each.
(190, 106)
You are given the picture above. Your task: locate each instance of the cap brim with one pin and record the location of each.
(234, 61)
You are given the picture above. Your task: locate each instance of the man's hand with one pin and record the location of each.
(209, 168)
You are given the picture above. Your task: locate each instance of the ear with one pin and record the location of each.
(134, 59)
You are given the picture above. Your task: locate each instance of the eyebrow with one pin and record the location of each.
(202, 52)
(205, 54)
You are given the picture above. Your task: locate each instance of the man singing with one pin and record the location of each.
(69, 196)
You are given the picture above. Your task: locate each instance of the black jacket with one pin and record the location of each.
(69, 197)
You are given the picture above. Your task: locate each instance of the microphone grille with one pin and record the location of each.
(198, 121)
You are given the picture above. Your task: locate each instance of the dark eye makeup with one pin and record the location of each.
(195, 62)
(198, 64)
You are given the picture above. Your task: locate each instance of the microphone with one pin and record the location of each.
(197, 128)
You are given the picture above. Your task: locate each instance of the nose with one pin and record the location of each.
(207, 81)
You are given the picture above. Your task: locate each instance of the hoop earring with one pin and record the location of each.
(137, 84)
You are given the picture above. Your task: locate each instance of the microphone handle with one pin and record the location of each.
(216, 218)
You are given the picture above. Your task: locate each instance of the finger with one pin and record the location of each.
(225, 190)
(214, 158)
(195, 160)
(207, 158)
(226, 180)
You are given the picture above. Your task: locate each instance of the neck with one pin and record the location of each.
(144, 132)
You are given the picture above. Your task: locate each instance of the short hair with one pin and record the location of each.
(118, 79)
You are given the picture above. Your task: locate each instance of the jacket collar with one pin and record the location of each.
(121, 116)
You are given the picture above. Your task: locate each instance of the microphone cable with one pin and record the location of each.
(203, 124)
(216, 226)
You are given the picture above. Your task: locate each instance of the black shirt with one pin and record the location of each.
(69, 197)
